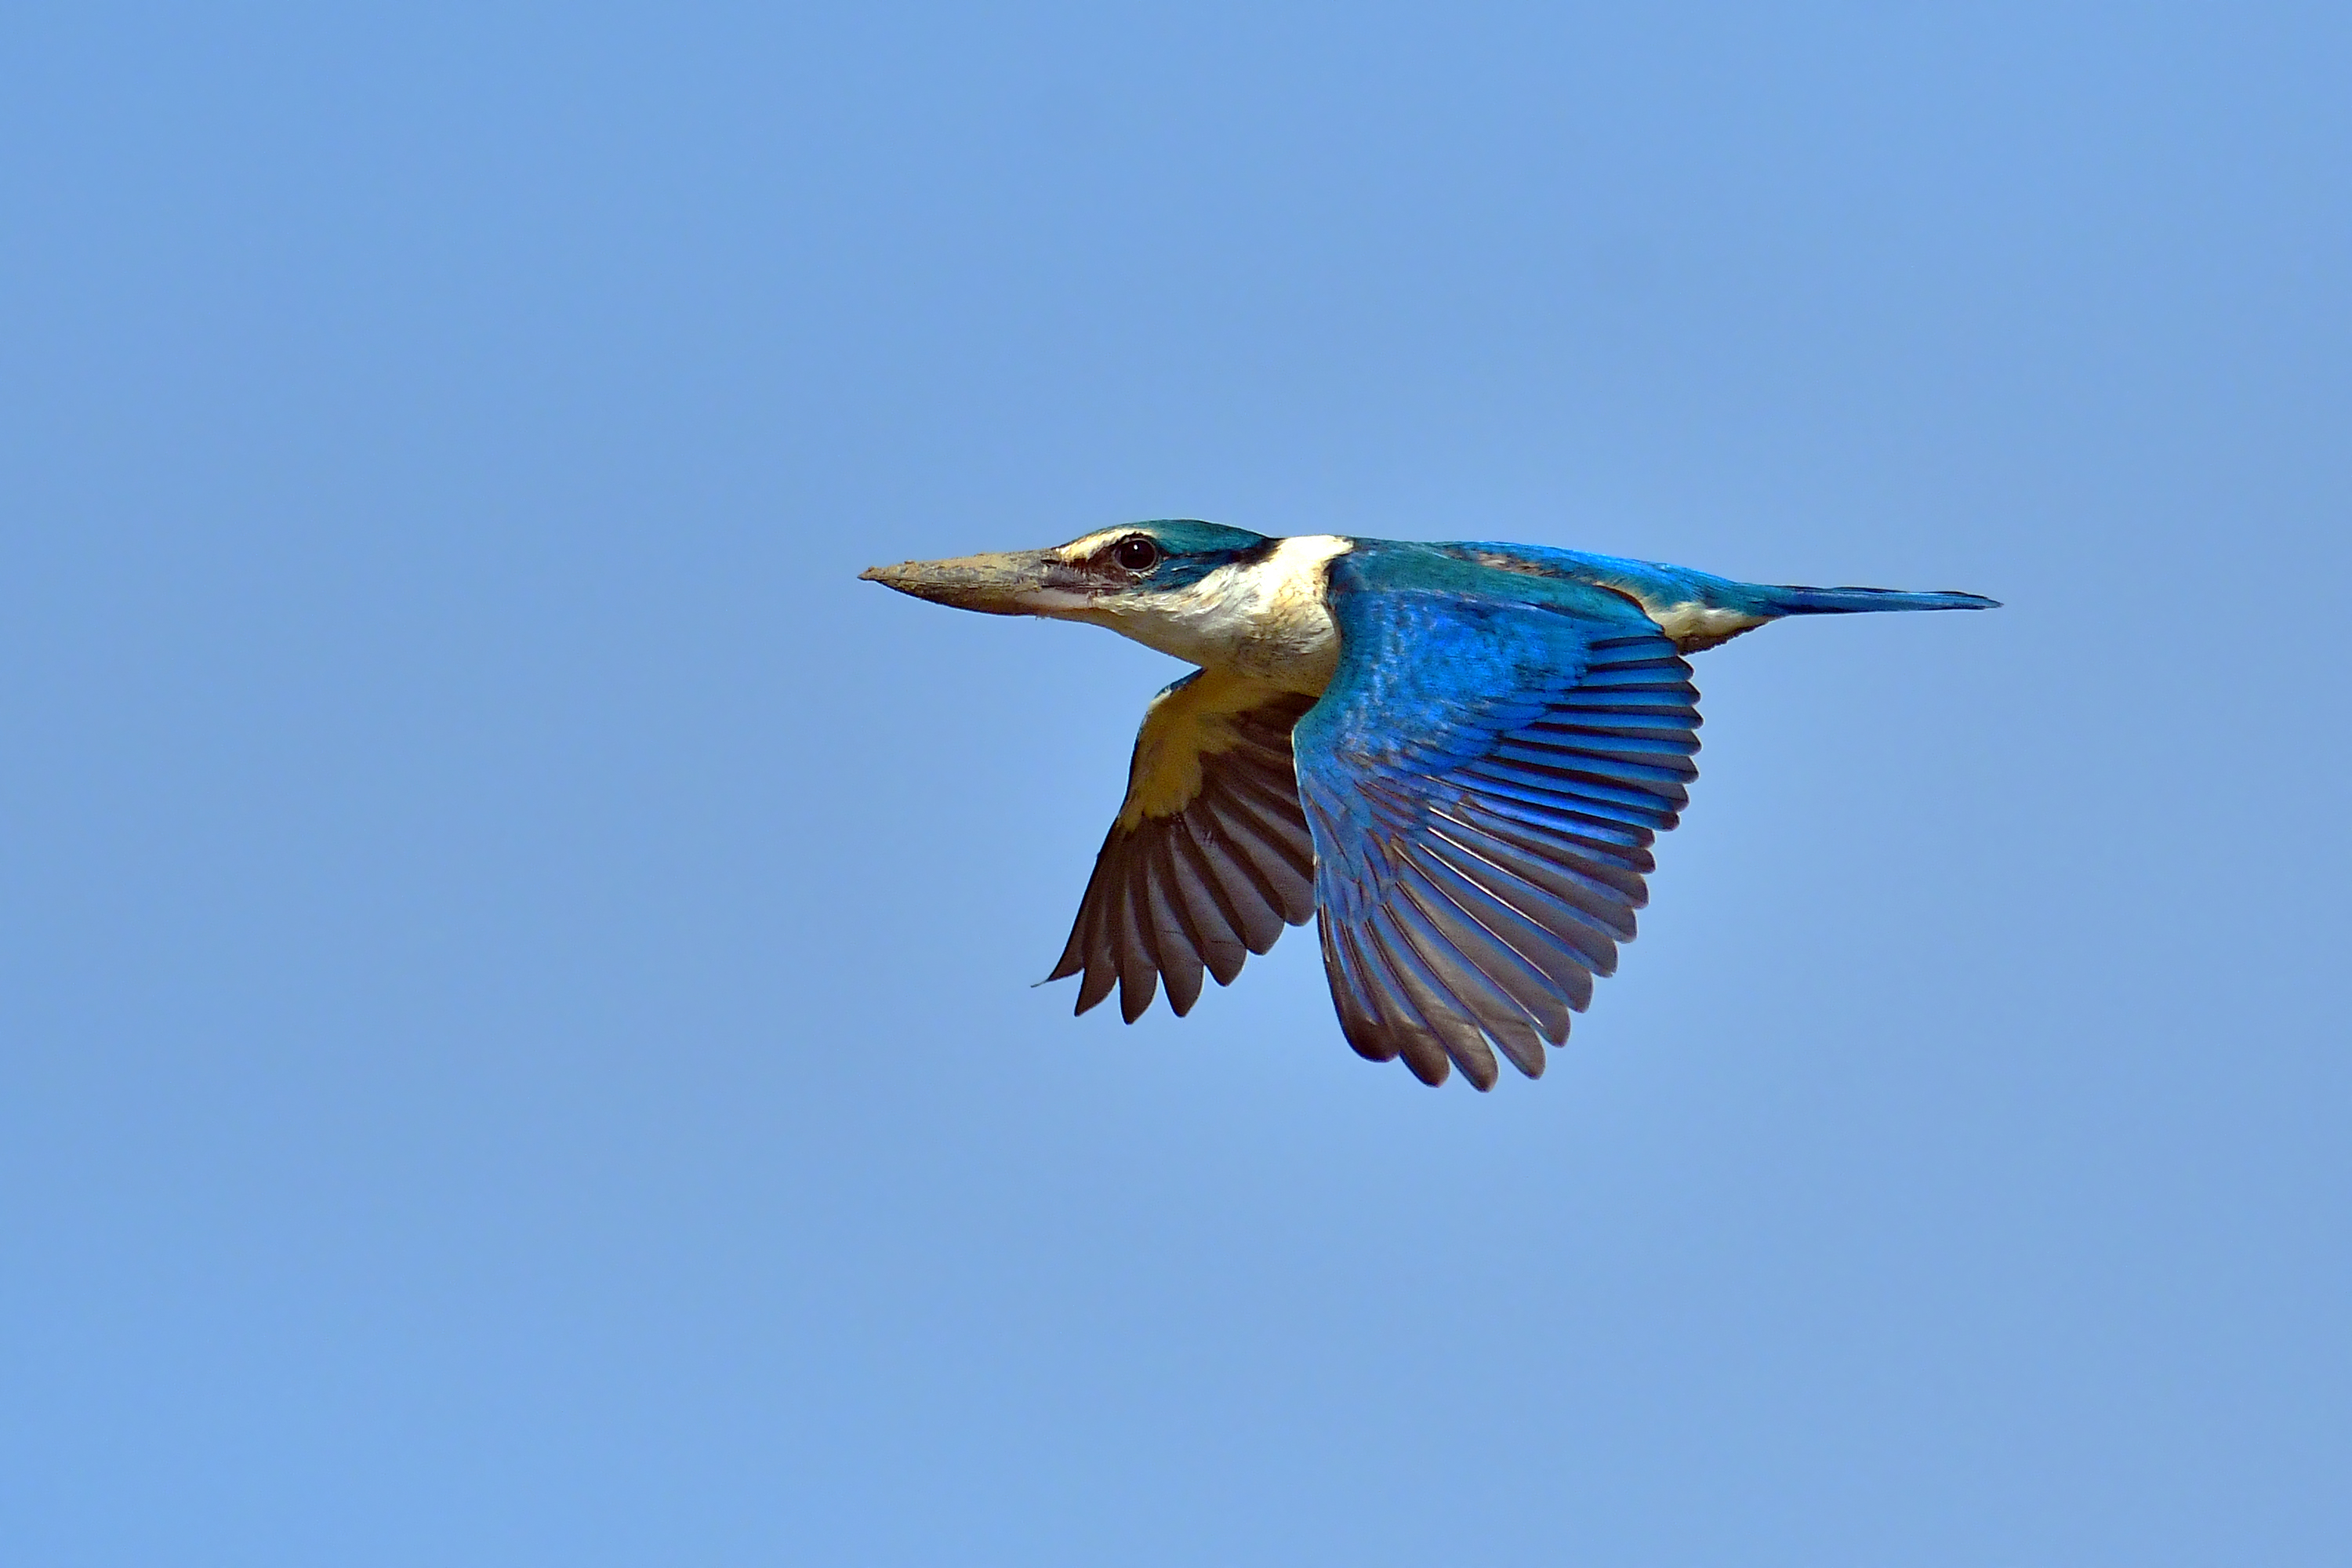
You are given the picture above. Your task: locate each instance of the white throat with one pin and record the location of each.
(1267, 621)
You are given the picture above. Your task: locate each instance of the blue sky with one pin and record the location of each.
(516, 1042)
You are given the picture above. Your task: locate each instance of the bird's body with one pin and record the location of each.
(1456, 756)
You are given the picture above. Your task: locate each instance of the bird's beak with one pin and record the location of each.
(1016, 583)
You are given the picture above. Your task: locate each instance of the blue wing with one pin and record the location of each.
(1483, 780)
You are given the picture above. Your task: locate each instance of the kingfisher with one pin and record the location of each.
(1454, 758)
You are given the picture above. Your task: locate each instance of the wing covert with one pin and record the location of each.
(1482, 781)
(1210, 857)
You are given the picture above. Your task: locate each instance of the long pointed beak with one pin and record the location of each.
(1015, 583)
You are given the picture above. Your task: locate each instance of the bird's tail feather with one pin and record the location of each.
(1795, 601)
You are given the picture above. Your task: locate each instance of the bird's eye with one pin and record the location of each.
(1136, 552)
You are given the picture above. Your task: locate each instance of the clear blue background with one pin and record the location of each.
(514, 980)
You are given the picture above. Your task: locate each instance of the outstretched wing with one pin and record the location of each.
(1210, 854)
(1483, 780)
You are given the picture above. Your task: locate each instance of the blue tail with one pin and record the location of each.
(1795, 601)
(1660, 587)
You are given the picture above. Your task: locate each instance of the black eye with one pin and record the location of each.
(1136, 552)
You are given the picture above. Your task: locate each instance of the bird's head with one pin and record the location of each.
(1116, 576)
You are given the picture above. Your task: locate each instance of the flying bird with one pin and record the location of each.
(1453, 757)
